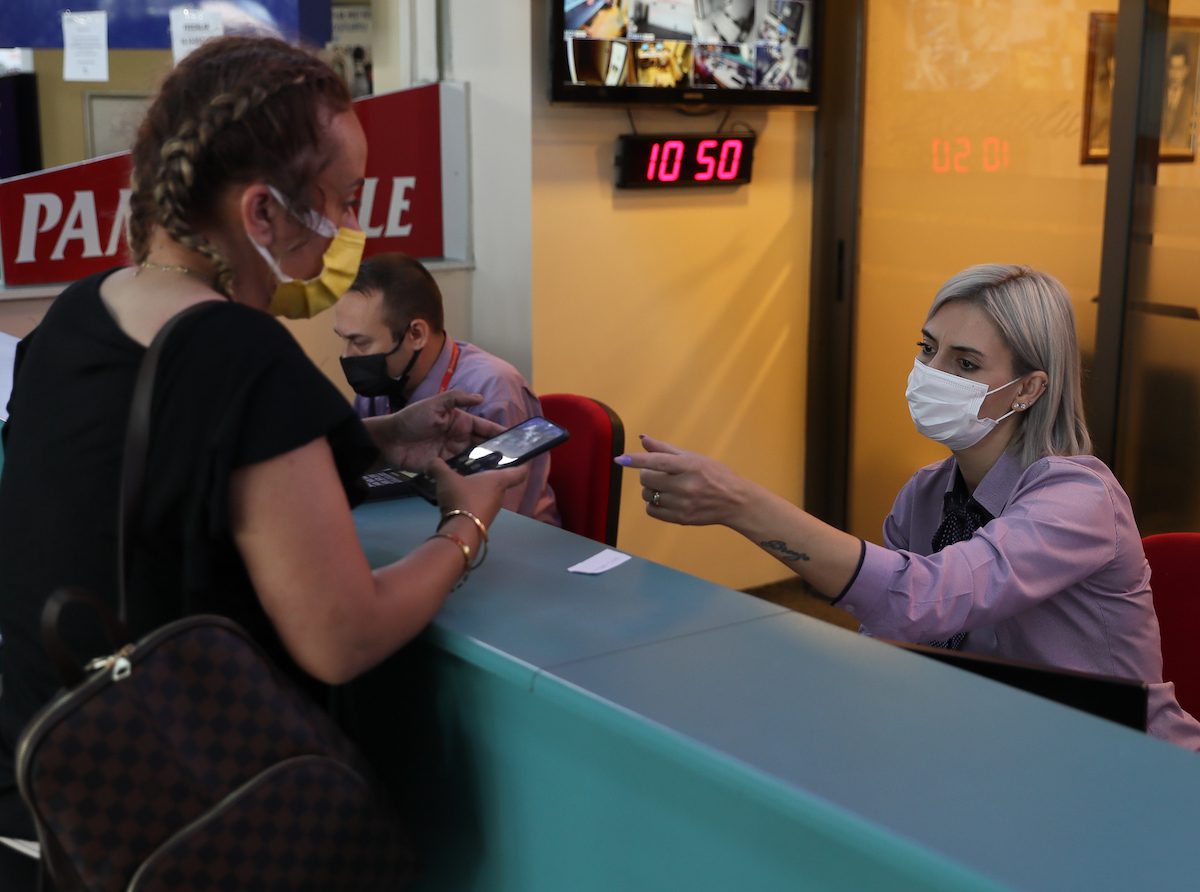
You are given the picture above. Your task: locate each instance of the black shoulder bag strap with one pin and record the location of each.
(137, 435)
(129, 509)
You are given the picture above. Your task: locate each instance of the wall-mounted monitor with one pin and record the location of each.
(733, 52)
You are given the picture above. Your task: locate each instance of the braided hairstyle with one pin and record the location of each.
(236, 110)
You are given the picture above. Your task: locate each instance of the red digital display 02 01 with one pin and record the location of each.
(961, 154)
(650, 161)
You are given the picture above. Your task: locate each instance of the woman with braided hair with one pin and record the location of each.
(246, 175)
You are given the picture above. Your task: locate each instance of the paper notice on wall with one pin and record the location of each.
(14, 60)
(350, 25)
(85, 46)
(349, 49)
(191, 27)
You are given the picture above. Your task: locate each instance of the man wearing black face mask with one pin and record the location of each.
(397, 351)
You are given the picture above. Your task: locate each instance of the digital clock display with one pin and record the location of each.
(652, 161)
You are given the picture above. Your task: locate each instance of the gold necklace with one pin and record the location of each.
(175, 268)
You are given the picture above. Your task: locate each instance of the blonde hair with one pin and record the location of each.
(1032, 312)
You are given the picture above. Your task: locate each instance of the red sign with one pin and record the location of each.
(63, 224)
(404, 173)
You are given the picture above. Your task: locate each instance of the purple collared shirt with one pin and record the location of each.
(1058, 577)
(507, 400)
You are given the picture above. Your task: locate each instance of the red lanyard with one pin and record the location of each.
(450, 368)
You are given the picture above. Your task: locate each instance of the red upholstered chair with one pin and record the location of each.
(586, 481)
(1175, 580)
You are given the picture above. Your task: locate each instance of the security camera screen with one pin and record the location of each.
(701, 44)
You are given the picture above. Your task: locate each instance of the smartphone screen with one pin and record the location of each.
(517, 444)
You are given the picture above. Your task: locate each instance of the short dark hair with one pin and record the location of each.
(407, 289)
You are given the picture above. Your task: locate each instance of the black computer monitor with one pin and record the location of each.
(20, 139)
(1120, 700)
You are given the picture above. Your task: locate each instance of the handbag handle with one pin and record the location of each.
(137, 436)
(67, 663)
(129, 508)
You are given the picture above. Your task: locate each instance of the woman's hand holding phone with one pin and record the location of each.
(430, 429)
(509, 449)
(480, 494)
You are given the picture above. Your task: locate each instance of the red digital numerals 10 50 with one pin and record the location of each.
(667, 158)
(959, 155)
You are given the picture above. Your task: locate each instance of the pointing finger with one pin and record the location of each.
(654, 461)
(660, 446)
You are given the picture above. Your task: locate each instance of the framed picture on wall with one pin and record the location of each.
(1178, 136)
(111, 120)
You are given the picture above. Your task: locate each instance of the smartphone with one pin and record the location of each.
(515, 446)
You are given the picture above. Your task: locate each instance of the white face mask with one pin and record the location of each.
(945, 407)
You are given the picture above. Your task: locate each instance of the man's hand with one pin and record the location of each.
(436, 427)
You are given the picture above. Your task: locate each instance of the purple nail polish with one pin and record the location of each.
(623, 460)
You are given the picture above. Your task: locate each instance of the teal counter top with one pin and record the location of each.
(975, 783)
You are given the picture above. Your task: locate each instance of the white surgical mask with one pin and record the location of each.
(945, 407)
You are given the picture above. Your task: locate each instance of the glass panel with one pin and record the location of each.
(972, 153)
(1158, 440)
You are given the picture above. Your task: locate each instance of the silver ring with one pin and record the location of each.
(656, 498)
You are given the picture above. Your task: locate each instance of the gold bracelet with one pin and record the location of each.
(466, 552)
(479, 525)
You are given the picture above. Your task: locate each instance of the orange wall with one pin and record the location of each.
(686, 312)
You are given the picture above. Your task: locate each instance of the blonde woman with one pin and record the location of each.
(1020, 544)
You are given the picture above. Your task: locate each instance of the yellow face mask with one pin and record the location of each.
(304, 298)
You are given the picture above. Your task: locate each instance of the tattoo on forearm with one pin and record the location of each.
(781, 548)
